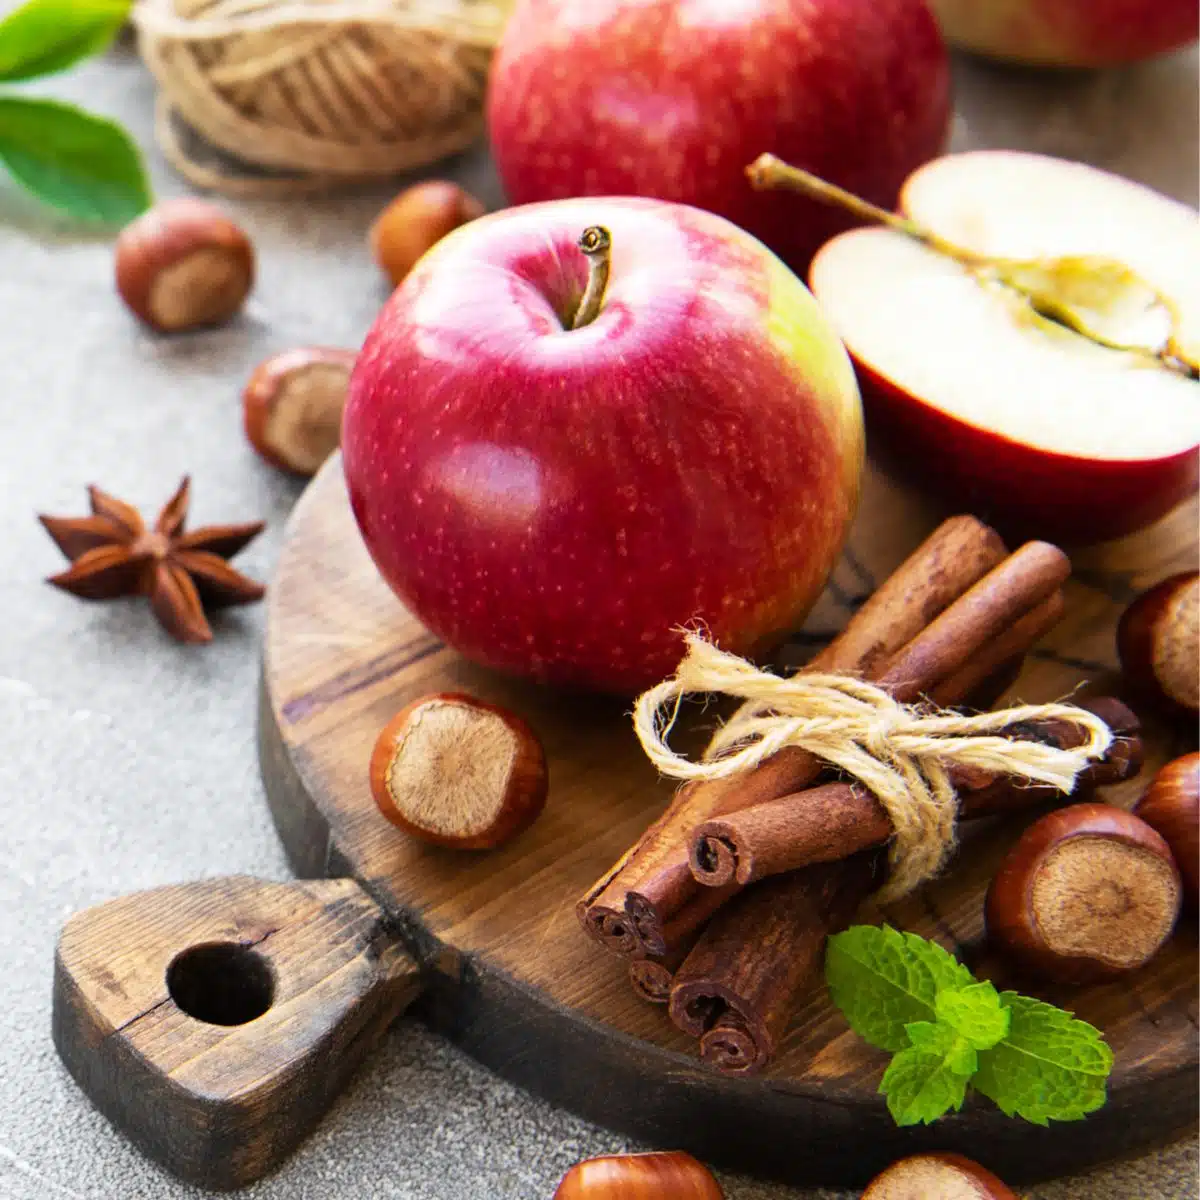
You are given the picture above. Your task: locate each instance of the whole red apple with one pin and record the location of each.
(1069, 33)
(556, 502)
(673, 98)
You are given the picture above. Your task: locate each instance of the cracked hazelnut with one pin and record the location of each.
(184, 264)
(457, 772)
(417, 219)
(1088, 892)
(292, 406)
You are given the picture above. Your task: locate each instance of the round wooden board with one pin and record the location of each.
(514, 980)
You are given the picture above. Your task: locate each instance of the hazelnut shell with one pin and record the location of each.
(1158, 642)
(294, 427)
(447, 746)
(417, 219)
(184, 264)
(654, 1176)
(1013, 926)
(933, 1177)
(1171, 805)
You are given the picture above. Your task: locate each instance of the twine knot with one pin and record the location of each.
(901, 753)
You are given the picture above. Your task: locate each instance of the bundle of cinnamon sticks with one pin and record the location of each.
(724, 904)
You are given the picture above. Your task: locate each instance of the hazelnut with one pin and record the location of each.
(940, 1176)
(457, 772)
(1088, 892)
(651, 1176)
(1158, 641)
(418, 218)
(292, 406)
(1171, 805)
(184, 264)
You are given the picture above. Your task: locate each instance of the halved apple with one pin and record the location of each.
(1017, 417)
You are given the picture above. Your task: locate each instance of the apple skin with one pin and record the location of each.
(673, 98)
(1069, 33)
(555, 503)
(1023, 491)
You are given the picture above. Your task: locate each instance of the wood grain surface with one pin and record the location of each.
(514, 980)
(215, 1022)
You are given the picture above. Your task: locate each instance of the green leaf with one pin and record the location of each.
(1050, 1067)
(83, 164)
(883, 980)
(924, 1082)
(975, 1012)
(45, 36)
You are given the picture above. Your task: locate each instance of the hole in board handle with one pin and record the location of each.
(221, 983)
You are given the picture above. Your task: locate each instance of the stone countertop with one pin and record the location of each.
(128, 761)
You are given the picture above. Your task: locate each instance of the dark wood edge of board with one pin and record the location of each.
(671, 1101)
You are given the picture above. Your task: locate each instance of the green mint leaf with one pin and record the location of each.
(975, 1012)
(45, 36)
(1050, 1066)
(922, 1082)
(959, 1054)
(83, 164)
(883, 980)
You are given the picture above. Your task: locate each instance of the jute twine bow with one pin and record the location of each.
(899, 752)
(311, 93)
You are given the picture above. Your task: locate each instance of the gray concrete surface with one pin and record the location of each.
(127, 761)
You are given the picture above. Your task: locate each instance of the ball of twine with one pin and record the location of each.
(313, 93)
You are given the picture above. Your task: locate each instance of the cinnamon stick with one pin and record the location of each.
(735, 989)
(998, 656)
(837, 820)
(651, 881)
(652, 977)
(987, 611)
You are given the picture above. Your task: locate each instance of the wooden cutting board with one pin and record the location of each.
(509, 974)
(215, 1021)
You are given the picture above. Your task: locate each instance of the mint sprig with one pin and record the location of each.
(85, 165)
(948, 1031)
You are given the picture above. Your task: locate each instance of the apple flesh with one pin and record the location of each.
(672, 98)
(557, 502)
(1015, 418)
(1069, 33)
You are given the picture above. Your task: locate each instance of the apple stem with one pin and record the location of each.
(767, 172)
(596, 243)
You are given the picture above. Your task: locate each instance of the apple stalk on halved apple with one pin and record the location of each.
(579, 425)
(1027, 333)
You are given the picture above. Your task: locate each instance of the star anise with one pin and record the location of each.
(113, 554)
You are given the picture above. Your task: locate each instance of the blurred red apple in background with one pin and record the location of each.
(672, 98)
(556, 502)
(1017, 418)
(1069, 33)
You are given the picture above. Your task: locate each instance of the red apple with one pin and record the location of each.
(556, 502)
(672, 98)
(1017, 418)
(1069, 33)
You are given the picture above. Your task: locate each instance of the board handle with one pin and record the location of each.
(215, 1022)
